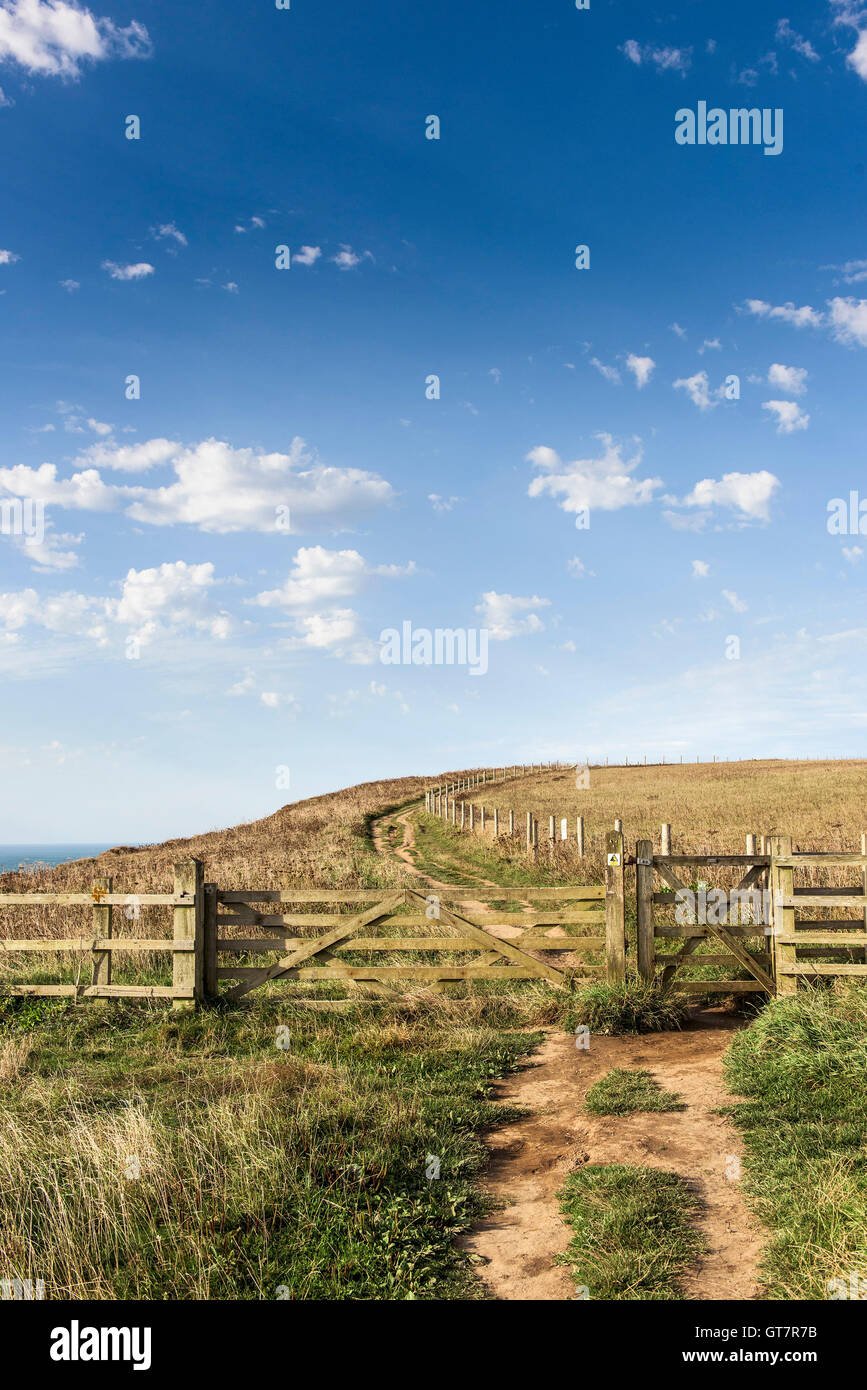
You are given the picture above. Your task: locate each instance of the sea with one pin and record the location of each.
(29, 856)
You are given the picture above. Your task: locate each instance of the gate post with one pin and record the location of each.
(782, 886)
(644, 903)
(187, 919)
(209, 942)
(615, 909)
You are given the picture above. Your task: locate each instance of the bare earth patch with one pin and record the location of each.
(529, 1160)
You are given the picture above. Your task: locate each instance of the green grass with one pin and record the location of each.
(151, 1155)
(632, 1236)
(802, 1066)
(455, 856)
(623, 1092)
(631, 1007)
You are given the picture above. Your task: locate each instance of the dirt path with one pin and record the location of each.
(529, 1160)
(516, 1246)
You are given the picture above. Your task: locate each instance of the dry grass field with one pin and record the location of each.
(711, 807)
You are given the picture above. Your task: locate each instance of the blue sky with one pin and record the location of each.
(171, 650)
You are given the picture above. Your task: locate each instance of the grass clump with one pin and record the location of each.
(631, 1007)
(624, 1092)
(802, 1066)
(631, 1231)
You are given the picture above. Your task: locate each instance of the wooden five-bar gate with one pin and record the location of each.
(226, 942)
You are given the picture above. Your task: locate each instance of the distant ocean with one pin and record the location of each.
(26, 856)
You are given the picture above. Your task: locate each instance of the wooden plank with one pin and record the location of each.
(742, 956)
(615, 908)
(782, 882)
(102, 927)
(88, 899)
(528, 918)
(241, 946)
(209, 942)
(718, 986)
(133, 992)
(794, 968)
(50, 991)
(812, 898)
(452, 892)
(312, 948)
(822, 938)
(667, 860)
(644, 907)
(673, 929)
(90, 943)
(671, 967)
(800, 861)
(505, 948)
(386, 973)
(187, 922)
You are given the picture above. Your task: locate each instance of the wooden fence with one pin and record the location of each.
(185, 946)
(380, 938)
(324, 936)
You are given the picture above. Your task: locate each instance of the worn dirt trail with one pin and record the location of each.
(530, 1159)
(517, 1244)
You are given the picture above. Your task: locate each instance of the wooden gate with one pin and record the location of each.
(749, 893)
(472, 934)
(806, 949)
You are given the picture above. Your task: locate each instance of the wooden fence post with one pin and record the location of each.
(529, 830)
(665, 839)
(615, 909)
(644, 902)
(579, 835)
(751, 844)
(564, 829)
(618, 826)
(209, 937)
(187, 966)
(472, 816)
(483, 818)
(551, 822)
(463, 810)
(782, 886)
(496, 822)
(511, 822)
(102, 927)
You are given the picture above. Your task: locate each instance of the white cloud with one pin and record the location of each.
(848, 319)
(606, 483)
(676, 328)
(506, 615)
(857, 59)
(664, 59)
(577, 567)
(610, 373)
(55, 39)
(700, 569)
(216, 488)
(70, 285)
(790, 416)
(748, 493)
(791, 379)
(8, 257)
(853, 553)
(320, 576)
(641, 368)
(710, 345)
(698, 389)
(168, 598)
(346, 259)
(805, 317)
(786, 34)
(737, 604)
(169, 232)
(128, 272)
(441, 504)
(308, 255)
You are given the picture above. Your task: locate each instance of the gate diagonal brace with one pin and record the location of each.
(495, 943)
(313, 948)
